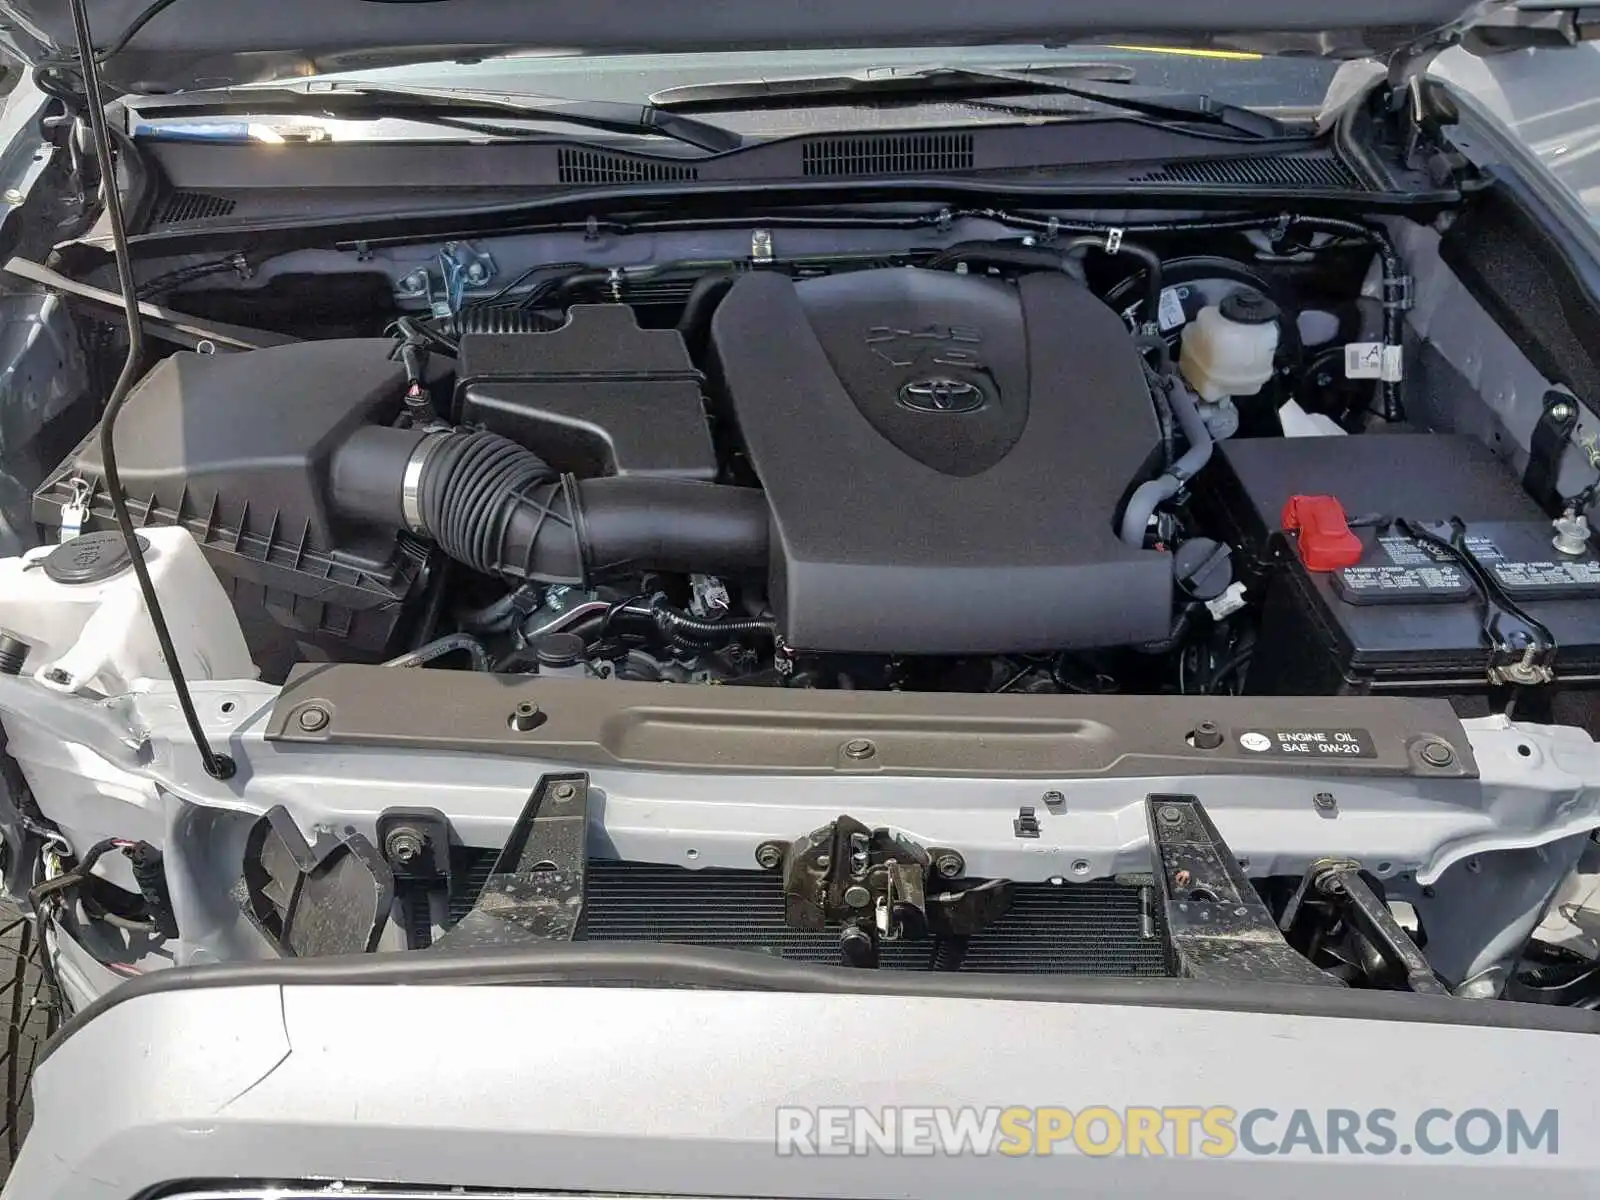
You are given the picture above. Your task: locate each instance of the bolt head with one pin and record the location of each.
(948, 865)
(14, 196)
(313, 719)
(525, 716)
(1207, 736)
(1170, 816)
(1325, 801)
(769, 855)
(859, 748)
(475, 272)
(1437, 754)
(564, 791)
(1559, 412)
(1182, 878)
(404, 844)
(1054, 800)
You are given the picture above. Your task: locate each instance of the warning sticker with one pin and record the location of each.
(1549, 579)
(1373, 360)
(1172, 315)
(1309, 743)
(1416, 573)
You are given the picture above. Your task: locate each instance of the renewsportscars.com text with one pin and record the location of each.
(1182, 1131)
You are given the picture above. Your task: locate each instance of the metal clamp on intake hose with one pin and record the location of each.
(411, 482)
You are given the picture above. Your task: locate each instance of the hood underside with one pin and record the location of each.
(192, 43)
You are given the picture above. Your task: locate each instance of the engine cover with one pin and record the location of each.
(944, 457)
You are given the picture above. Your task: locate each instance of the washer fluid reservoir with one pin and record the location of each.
(79, 609)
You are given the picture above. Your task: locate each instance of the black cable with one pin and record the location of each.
(218, 766)
(128, 34)
(518, 280)
(1228, 667)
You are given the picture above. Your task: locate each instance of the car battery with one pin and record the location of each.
(1405, 614)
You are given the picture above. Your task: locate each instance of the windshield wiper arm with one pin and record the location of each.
(947, 82)
(446, 106)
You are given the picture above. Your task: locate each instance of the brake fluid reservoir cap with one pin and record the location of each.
(90, 558)
(1248, 307)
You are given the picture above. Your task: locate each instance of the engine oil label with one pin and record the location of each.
(1309, 743)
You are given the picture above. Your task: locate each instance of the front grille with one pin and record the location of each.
(888, 154)
(1280, 170)
(194, 206)
(1091, 928)
(600, 166)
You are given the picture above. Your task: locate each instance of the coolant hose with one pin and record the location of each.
(1147, 497)
(499, 509)
(1074, 250)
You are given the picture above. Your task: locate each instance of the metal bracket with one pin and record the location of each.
(880, 886)
(1382, 946)
(416, 844)
(461, 267)
(1551, 435)
(536, 890)
(1218, 929)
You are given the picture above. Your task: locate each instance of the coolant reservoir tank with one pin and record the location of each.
(1228, 347)
(78, 607)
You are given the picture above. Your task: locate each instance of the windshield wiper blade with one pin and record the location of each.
(445, 106)
(949, 82)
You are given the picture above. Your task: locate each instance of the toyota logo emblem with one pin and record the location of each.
(941, 394)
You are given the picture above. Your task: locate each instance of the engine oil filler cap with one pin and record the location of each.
(90, 558)
(1325, 542)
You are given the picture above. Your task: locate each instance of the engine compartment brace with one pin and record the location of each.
(1218, 928)
(536, 890)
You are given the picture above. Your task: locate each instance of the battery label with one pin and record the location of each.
(1309, 743)
(1552, 580)
(1416, 573)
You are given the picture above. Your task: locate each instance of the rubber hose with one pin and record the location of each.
(694, 323)
(1181, 625)
(499, 509)
(439, 647)
(1001, 254)
(1075, 248)
(1147, 497)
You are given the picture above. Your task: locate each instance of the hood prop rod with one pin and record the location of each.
(218, 766)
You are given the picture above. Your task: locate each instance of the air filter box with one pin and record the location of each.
(235, 448)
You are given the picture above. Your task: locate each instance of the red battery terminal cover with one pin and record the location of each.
(1325, 542)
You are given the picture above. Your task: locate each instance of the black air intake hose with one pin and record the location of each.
(500, 510)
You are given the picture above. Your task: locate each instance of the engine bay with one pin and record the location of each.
(986, 527)
(1026, 464)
